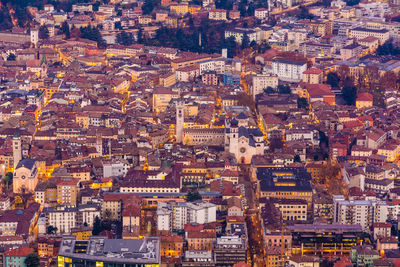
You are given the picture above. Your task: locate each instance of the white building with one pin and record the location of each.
(261, 13)
(220, 65)
(262, 81)
(302, 134)
(115, 168)
(353, 212)
(87, 214)
(174, 216)
(242, 141)
(201, 212)
(362, 33)
(239, 33)
(64, 218)
(289, 71)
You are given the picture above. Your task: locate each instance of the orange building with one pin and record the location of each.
(171, 246)
(200, 240)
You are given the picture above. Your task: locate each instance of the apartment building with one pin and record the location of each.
(262, 81)
(288, 71)
(174, 216)
(353, 212)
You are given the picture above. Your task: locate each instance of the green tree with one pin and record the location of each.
(32, 260)
(93, 33)
(97, 226)
(304, 13)
(124, 38)
(296, 158)
(65, 30)
(193, 196)
(11, 57)
(51, 230)
(269, 90)
(302, 103)
(43, 32)
(148, 6)
(245, 41)
(284, 89)
(332, 79)
(140, 38)
(246, 100)
(349, 93)
(118, 25)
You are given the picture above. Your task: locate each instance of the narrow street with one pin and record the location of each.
(253, 221)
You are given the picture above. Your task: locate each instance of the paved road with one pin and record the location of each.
(253, 221)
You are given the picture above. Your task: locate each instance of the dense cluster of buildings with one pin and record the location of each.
(142, 155)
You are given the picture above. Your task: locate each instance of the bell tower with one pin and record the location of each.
(17, 150)
(180, 105)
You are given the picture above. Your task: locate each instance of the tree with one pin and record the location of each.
(349, 93)
(245, 41)
(124, 38)
(51, 230)
(93, 33)
(343, 73)
(11, 57)
(333, 79)
(302, 103)
(118, 25)
(43, 32)
(246, 100)
(193, 196)
(269, 90)
(65, 30)
(148, 6)
(296, 158)
(32, 260)
(388, 49)
(97, 226)
(140, 39)
(284, 89)
(304, 13)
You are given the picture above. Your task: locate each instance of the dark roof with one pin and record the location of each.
(242, 116)
(288, 179)
(370, 30)
(27, 163)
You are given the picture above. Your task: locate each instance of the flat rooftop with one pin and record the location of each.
(145, 250)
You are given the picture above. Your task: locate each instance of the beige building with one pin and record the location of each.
(25, 176)
(360, 33)
(262, 81)
(292, 209)
(313, 76)
(217, 14)
(162, 97)
(67, 192)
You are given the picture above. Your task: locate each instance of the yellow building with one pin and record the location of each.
(364, 100)
(390, 150)
(162, 97)
(167, 80)
(82, 120)
(194, 9)
(145, 20)
(179, 9)
(82, 233)
(292, 209)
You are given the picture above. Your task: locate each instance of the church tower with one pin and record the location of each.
(17, 150)
(180, 105)
(34, 36)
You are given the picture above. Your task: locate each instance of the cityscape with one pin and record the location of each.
(211, 133)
